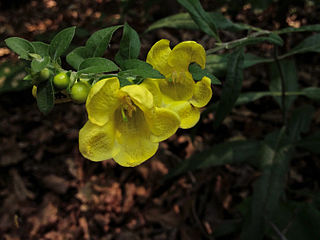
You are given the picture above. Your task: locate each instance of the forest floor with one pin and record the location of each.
(49, 191)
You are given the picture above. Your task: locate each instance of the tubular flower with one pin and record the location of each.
(178, 91)
(124, 124)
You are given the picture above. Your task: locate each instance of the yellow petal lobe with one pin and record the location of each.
(139, 95)
(158, 56)
(185, 53)
(103, 100)
(188, 114)
(163, 123)
(179, 88)
(202, 93)
(97, 143)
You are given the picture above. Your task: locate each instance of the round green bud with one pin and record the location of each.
(61, 80)
(44, 74)
(79, 92)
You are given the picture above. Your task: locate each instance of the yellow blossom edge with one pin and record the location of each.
(103, 100)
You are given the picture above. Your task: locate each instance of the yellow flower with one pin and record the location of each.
(124, 124)
(178, 91)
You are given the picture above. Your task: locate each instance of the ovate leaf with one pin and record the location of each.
(77, 56)
(99, 41)
(41, 48)
(129, 45)
(38, 64)
(97, 65)
(20, 46)
(45, 96)
(61, 42)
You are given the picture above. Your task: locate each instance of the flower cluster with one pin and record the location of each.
(127, 123)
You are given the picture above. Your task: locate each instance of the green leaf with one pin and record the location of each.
(38, 64)
(232, 87)
(99, 41)
(77, 56)
(201, 17)
(274, 157)
(137, 67)
(184, 21)
(312, 93)
(224, 153)
(311, 143)
(179, 21)
(271, 38)
(307, 28)
(299, 122)
(61, 42)
(310, 44)
(198, 73)
(252, 96)
(41, 48)
(301, 220)
(217, 63)
(45, 96)
(129, 45)
(97, 65)
(290, 78)
(20, 46)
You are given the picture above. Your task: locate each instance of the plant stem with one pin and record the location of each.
(283, 86)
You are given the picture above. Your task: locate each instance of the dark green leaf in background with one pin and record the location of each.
(198, 73)
(61, 42)
(310, 44)
(20, 46)
(97, 65)
(232, 152)
(232, 86)
(45, 96)
(290, 78)
(311, 28)
(274, 160)
(201, 17)
(129, 45)
(184, 21)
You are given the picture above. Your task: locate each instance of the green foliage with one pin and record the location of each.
(129, 45)
(45, 96)
(204, 21)
(97, 65)
(60, 43)
(20, 46)
(232, 87)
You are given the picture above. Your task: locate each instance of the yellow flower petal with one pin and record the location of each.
(97, 143)
(179, 88)
(139, 95)
(133, 138)
(188, 114)
(163, 123)
(185, 53)
(153, 87)
(202, 93)
(102, 100)
(158, 56)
